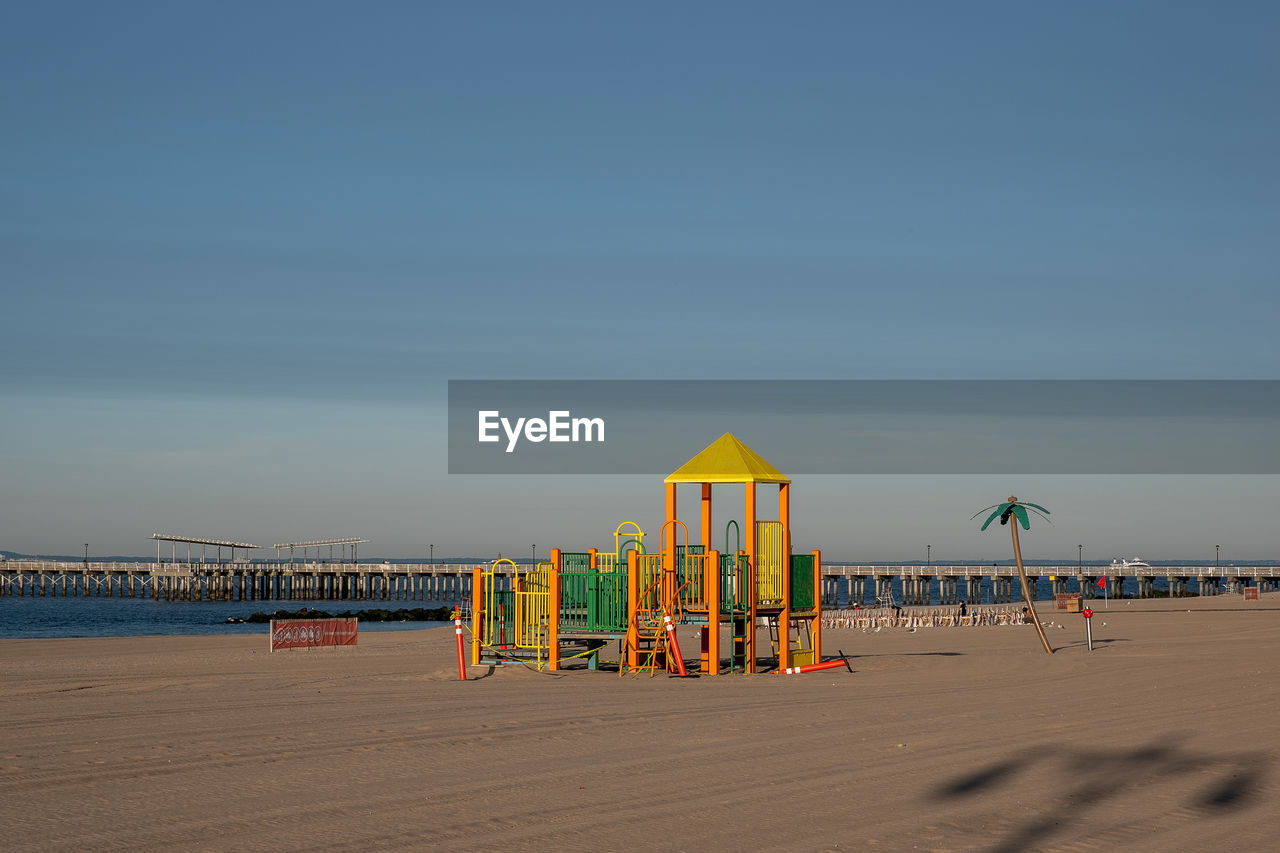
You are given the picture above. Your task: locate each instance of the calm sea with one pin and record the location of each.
(27, 616)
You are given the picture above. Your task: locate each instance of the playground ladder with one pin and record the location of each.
(734, 596)
(740, 626)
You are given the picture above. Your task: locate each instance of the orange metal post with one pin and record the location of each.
(711, 634)
(784, 617)
(711, 588)
(749, 535)
(669, 547)
(593, 560)
(710, 581)
(706, 517)
(553, 613)
(817, 605)
(784, 511)
(633, 608)
(477, 612)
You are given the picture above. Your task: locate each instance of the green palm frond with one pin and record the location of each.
(1015, 509)
(1001, 509)
(984, 509)
(1042, 515)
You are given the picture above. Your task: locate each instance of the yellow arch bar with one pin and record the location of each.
(617, 536)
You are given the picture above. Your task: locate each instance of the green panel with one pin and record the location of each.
(575, 561)
(801, 581)
(683, 566)
(689, 573)
(591, 600)
(733, 583)
(608, 601)
(504, 617)
(574, 590)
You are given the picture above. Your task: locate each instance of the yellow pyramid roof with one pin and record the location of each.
(727, 460)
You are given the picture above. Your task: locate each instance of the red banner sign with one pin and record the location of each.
(309, 633)
(1068, 601)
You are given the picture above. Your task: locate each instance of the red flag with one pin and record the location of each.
(1102, 583)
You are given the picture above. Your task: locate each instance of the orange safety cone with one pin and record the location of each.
(817, 667)
(675, 644)
(457, 630)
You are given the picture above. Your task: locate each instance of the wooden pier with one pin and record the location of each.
(923, 585)
(239, 581)
(320, 581)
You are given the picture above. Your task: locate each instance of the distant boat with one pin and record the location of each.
(1135, 563)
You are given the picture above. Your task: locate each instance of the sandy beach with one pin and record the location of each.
(1163, 738)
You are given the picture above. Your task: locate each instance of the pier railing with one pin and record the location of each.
(867, 570)
(451, 582)
(240, 581)
(1095, 571)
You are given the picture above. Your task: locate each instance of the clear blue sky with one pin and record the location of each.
(245, 245)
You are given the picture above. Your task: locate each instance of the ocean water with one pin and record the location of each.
(35, 616)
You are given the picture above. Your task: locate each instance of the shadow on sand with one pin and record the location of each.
(1232, 780)
(911, 655)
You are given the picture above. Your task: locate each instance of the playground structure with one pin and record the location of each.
(577, 603)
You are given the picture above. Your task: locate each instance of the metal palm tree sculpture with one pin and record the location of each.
(1013, 508)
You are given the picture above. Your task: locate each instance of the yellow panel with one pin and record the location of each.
(533, 612)
(803, 650)
(769, 559)
(533, 608)
(727, 460)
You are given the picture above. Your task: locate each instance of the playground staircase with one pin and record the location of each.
(664, 589)
(651, 641)
(740, 627)
(656, 598)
